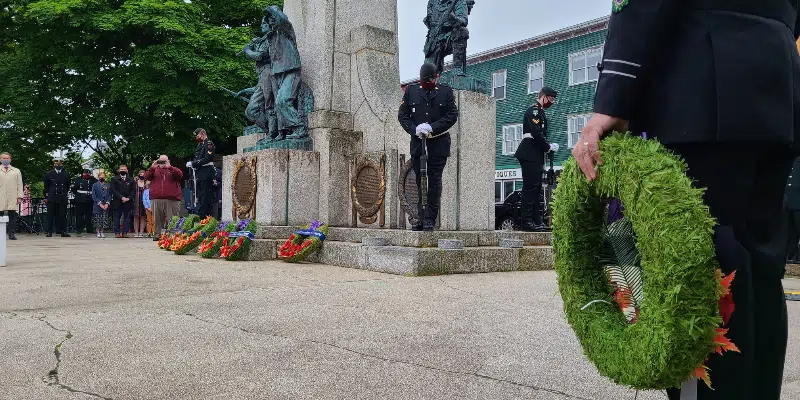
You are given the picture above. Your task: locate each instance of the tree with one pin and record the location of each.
(137, 75)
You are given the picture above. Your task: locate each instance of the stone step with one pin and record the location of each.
(407, 238)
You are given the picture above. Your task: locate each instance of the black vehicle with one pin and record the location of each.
(507, 214)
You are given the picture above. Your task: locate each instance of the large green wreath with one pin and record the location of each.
(679, 315)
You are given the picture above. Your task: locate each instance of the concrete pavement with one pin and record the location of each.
(119, 319)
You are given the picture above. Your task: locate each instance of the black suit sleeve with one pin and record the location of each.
(449, 118)
(207, 155)
(637, 29)
(404, 116)
(533, 125)
(115, 189)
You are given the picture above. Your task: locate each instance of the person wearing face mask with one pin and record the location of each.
(56, 188)
(11, 193)
(82, 192)
(101, 201)
(531, 155)
(139, 210)
(428, 111)
(122, 192)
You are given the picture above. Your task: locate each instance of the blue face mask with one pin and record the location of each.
(5, 162)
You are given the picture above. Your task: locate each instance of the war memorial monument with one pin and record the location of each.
(325, 143)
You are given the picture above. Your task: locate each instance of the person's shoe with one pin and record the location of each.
(12, 237)
(118, 235)
(102, 235)
(428, 226)
(124, 235)
(66, 235)
(416, 228)
(98, 235)
(528, 227)
(49, 234)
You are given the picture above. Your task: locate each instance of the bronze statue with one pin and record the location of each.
(280, 103)
(447, 22)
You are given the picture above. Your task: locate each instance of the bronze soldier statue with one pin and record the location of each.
(447, 33)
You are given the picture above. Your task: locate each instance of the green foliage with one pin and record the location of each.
(679, 313)
(139, 75)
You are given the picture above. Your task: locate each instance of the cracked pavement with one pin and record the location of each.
(120, 319)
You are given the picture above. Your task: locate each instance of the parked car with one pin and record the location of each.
(507, 213)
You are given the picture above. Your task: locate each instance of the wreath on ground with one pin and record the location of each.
(303, 243)
(191, 239)
(175, 228)
(647, 307)
(211, 245)
(237, 245)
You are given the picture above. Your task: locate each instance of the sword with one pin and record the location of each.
(423, 179)
(194, 179)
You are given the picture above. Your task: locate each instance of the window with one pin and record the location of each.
(583, 66)
(535, 77)
(575, 124)
(512, 136)
(503, 189)
(499, 85)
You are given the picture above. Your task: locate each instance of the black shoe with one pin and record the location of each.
(66, 235)
(530, 227)
(416, 228)
(49, 234)
(428, 226)
(12, 237)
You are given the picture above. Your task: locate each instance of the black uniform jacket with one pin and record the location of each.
(203, 157)
(437, 108)
(56, 186)
(534, 148)
(82, 189)
(793, 188)
(703, 71)
(121, 187)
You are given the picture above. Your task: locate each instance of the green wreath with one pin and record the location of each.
(303, 243)
(194, 237)
(211, 246)
(237, 245)
(679, 315)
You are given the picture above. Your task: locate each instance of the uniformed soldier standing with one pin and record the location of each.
(204, 173)
(82, 200)
(531, 155)
(793, 208)
(679, 70)
(56, 189)
(428, 111)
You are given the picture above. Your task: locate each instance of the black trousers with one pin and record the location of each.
(57, 216)
(205, 196)
(745, 186)
(794, 236)
(531, 212)
(435, 170)
(83, 217)
(11, 228)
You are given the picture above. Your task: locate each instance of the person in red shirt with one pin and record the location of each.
(165, 192)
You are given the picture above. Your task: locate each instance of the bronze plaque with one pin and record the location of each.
(368, 190)
(243, 188)
(409, 193)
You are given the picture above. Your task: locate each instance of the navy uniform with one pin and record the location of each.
(56, 190)
(716, 81)
(793, 208)
(204, 173)
(531, 155)
(82, 200)
(435, 106)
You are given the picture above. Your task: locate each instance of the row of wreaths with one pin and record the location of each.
(233, 241)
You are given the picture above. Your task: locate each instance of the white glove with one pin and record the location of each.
(554, 147)
(421, 133)
(188, 164)
(427, 128)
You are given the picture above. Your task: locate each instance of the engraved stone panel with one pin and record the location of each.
(243, 188)
(368, 190)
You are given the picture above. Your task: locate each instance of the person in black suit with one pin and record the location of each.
(204, 173)
(56, 189)
(531, 155)
(793, 209)
(122, 195)
(717, 83)
(428, 111)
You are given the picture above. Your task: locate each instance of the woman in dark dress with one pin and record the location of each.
(139, 211)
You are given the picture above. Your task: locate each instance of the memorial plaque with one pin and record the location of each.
(243, 188)
(368, 190)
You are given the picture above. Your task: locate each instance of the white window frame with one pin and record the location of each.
(512, 137)
(583, 54)
(530, 78)
(573, 133)
(504, 74)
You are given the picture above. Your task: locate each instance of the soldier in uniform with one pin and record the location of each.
(56, 188)
(679, 70)
(793, 208)
(531, 155)
(428, 111)
(204, 173)
(82, 200)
